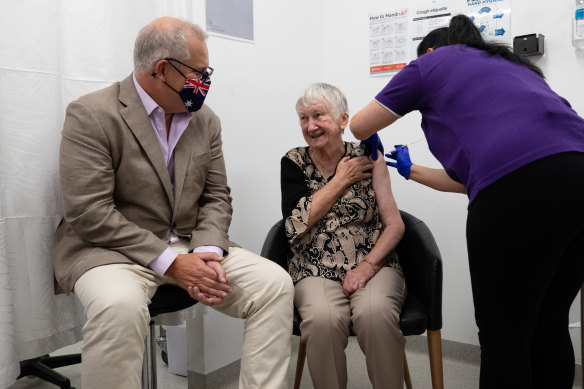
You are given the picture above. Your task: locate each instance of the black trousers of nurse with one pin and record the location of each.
(525, 236)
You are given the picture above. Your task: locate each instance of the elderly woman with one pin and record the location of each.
(342, 224)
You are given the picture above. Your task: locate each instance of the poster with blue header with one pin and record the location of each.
(492, 18)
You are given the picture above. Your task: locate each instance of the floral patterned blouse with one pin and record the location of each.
(344, 236)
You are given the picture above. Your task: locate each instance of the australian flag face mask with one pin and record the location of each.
(195, 90)
(193, 93)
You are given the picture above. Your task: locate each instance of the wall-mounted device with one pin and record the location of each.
(531, 44)
(578, 25)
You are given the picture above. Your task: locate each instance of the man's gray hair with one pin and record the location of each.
(155, 42)
(329, 94)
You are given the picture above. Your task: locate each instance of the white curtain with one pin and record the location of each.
(51, 52)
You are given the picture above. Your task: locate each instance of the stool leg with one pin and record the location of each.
(43, 368)
(149, 379)
(145, 366)
(153, 372)
(407, 377)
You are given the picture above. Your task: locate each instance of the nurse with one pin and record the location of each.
(516, 149)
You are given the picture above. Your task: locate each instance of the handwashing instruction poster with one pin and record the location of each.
(388, 41)
(492, 18)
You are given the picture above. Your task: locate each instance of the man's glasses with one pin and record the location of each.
(194, 73)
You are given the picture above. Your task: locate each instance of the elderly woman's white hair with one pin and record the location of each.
(329, 94)
(164, 38)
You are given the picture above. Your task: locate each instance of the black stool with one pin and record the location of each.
(168, 298)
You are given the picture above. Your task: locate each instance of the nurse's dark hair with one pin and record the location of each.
(462, 30)
(435, 38)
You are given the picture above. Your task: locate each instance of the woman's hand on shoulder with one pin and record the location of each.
(351, 170)
(357, 278)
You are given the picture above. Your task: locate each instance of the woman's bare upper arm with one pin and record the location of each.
(387, 207)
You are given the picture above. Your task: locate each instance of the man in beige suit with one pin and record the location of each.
(146, 203)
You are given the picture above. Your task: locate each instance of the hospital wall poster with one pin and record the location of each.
(492, 18)
(388, 41)
(230, 18)
(424, 19)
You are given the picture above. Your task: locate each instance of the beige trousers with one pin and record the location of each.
(116, 299)
(372, 313)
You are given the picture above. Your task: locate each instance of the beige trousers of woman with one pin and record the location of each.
(372, 313)
(116, 299)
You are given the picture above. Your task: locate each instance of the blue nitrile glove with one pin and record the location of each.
(402, 155)
(373, 143)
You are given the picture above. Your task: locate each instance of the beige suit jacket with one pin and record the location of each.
(119, 204)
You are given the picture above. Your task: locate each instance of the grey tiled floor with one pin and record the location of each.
(459, 373)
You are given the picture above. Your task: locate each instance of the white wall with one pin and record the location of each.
(255, 88)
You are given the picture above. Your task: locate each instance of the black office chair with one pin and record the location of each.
(422, 311)
(168, 298)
